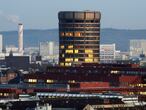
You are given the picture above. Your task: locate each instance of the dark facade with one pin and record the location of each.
(17, 62)
(79, 37)
(122, 78)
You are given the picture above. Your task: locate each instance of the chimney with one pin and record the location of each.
(20, 38)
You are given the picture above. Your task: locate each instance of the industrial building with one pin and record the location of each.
(79, 37)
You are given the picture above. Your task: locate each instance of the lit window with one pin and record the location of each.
(61, 64)
(32, 80)
(90, 55)
(88, 51)
(62, 46)
(70, 46)
(67, 64)
(77, 34)
(6, 94)
(69, 59)
(70, 34)
(143, 93)
(62, 33)
(88, 60)
(69, 51)
(114, 72)
(62, 55)
(95, 59)
(49, 81)
(76, 60)
(76, 51)
(71, 81)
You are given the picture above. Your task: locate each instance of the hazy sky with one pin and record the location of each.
(42, 14)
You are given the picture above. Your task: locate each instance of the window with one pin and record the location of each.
(71, 81)
(69, 59)
(90, 55)
(76, 51)
(62, 33)
(6, 94)
(69, 51)
(32, 80)
(49, 81)
(62, 46)
(61, 64)
(62, 55)
(88, 60)
(67, 64)
(88, 51)
(77, 34)
(76, 59)
(70, 46)
(68, 34)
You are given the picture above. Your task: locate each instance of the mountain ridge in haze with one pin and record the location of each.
(32, 37)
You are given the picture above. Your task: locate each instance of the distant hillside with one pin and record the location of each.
(33, 37)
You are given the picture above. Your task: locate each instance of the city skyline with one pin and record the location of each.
(43, 15)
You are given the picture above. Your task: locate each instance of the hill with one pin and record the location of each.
(32, 37)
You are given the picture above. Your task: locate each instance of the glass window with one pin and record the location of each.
(62, 46)
(70, 46)
(76, 60)
(76, 51)
(69, 51)
(49, 81)
(88, 60)
(67, 64)
(69, 59)
(77, 34)
(61, 64)
(88, 51)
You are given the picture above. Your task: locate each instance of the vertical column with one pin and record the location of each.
(20, 38)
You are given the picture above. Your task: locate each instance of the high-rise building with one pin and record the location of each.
(1, 43)
(79, 37)
(51, 48)
(48, 50)
(107, 53)
(137, 47)
(20, 38)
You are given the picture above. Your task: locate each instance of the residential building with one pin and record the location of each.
(107, 53)
(137, 47)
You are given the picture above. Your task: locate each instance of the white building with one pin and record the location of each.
(12, 48)
(137, 47)
(121, 55)
(1, 43)
(48, 50)
(107, 53)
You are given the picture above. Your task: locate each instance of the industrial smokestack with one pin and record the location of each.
(20, 38)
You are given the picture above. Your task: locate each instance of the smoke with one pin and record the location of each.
(11, 18)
